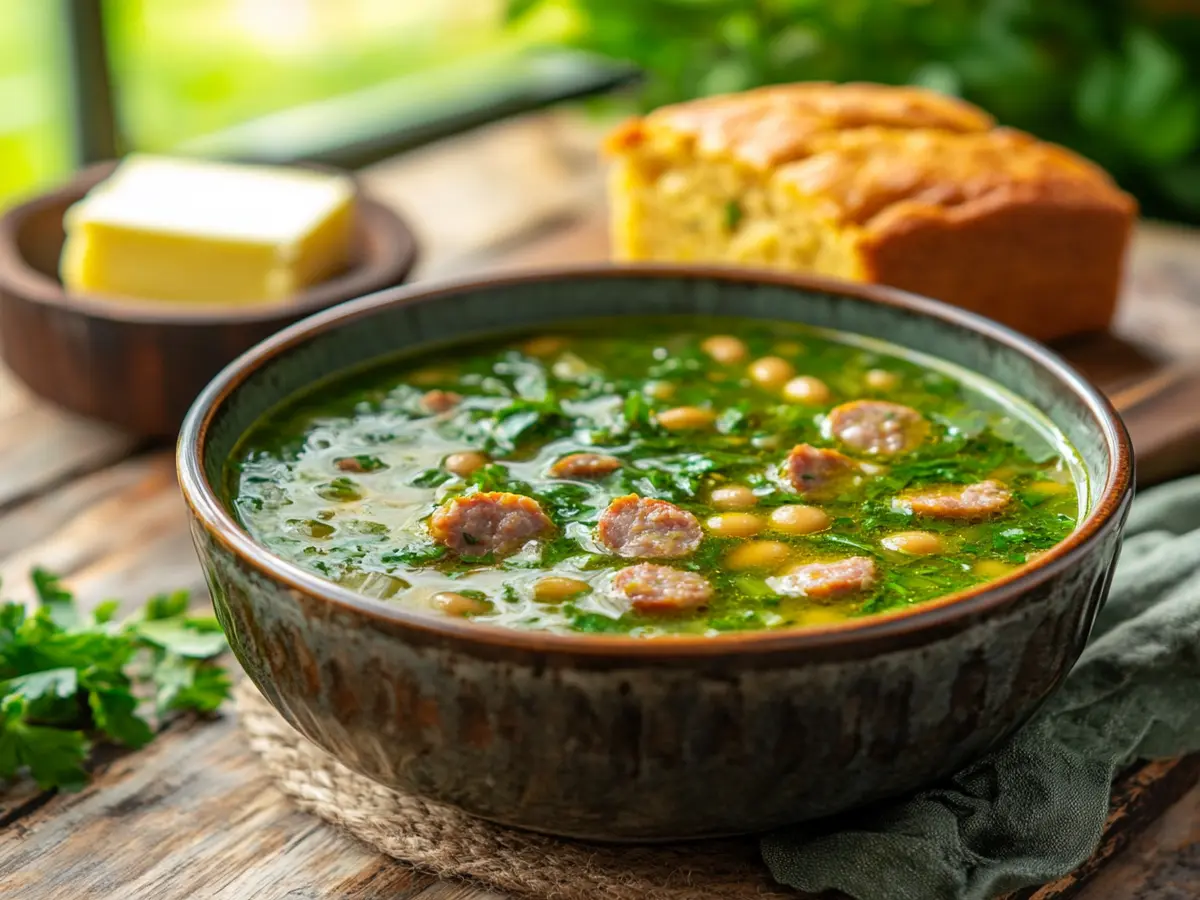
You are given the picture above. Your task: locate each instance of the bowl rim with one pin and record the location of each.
(394, 262)
(953, 610)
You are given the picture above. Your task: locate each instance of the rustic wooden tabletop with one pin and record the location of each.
(192, 815)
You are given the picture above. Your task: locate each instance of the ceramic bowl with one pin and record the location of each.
(138, 364)
(612, 738)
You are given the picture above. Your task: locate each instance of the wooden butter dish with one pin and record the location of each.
(139, 364)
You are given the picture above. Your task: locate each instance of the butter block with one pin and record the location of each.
(195, 231)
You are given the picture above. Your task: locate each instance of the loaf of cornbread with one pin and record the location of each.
(891, 185)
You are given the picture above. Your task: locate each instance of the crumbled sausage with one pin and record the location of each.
(826, 580)
(584, 465)
(876, 426)
(439, 401)
(815, 471)
(637, 527)
(972, 501)
(653, 588)
(493, 522)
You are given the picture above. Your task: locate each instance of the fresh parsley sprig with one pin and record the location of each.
(69, 680)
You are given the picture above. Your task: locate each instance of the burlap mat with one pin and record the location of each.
(446, 842)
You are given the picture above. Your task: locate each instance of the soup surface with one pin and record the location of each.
(648, 477)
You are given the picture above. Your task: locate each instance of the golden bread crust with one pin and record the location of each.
(872, 175)
(1034, 265)
(897, 186)
(768, 126)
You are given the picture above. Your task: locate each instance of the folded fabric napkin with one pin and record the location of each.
(1034, 809)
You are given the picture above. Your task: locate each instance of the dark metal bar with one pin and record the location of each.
(89, 83)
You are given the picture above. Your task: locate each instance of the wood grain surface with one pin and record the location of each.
(192, 816)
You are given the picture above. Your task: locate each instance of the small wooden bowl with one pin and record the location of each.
(138, 364)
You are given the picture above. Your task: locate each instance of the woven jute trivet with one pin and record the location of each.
(446, 842)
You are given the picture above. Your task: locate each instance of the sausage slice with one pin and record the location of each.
(826, 580)
(973, 501)
(639, 527)
(877, 426)
(492, 522)
(584, 465)
(650, 587)
(439, 401)
(815, 471)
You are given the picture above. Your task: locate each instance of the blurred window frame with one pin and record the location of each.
(346, 131)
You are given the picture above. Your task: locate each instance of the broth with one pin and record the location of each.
(720, 475)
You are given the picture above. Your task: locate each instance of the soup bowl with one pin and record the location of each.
(614, 738)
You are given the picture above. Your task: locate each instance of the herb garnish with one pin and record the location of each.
(341, 490)
(70, 680)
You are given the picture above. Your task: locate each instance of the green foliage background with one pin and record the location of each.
(1117, 80)
(184, 68)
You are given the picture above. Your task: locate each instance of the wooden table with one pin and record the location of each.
(192, 815)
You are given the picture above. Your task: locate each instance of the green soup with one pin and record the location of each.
(658, 476)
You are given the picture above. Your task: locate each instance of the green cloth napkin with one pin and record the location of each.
(1034, 809)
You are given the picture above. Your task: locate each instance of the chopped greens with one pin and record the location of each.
(343, 481)
(340, 490)
(430, 478)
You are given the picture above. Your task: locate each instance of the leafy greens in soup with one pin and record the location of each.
(658, 476)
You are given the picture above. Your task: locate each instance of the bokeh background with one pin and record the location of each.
(1118, 80)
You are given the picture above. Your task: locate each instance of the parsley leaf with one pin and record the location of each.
(736, 620)
(430, 478)
(415, 555)
(62, 682)
(494, 477)
(522, 420)
(166, 606)
(341, 490)
(568, 503)
(595, 623)
(636, 413)
(678, 476)
(114, 712)
(105, 611)
(52, 596)
(67, 680)
(180, 684)
(53, 756)
(185, 637)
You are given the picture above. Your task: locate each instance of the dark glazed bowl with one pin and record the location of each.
(612, 738)
(138, 364)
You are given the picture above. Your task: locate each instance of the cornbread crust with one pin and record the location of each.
(897, 186)
(768, 126)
